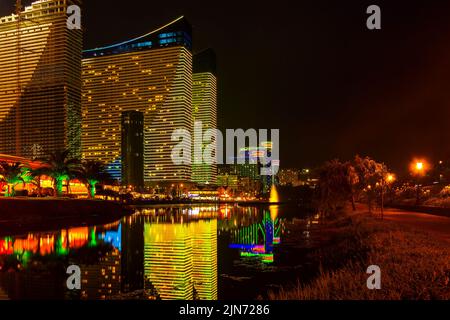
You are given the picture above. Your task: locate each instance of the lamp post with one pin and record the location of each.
(385, 180)
(418, 169)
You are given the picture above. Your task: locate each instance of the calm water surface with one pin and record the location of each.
(184, 252)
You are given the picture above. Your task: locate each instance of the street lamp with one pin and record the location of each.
(385, 179)
(418, 169)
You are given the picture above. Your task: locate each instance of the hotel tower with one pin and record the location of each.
(40, 80)
(204, 103)
(151, 74)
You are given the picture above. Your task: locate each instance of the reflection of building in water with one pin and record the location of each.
(258, 239)
(168, 260)
(181, 256)
(133, 253)
(35, 278)
(204, 236)
(101, 280)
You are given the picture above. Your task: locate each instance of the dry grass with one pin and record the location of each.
(414, 265)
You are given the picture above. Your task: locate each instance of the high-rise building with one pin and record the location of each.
(133, 148)
(151, 74)
(40, 80)
(289, 177)
(204, 104)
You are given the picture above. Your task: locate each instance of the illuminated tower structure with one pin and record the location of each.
(204, 103)
(40, 80)
(151, 74)
(132, 148)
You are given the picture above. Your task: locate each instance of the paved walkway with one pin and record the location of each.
(436, 225)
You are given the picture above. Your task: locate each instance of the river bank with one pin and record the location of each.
(25, 213)
(415, 264)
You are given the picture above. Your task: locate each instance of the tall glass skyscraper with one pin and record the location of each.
(40, 80)
(151, 74)
(204, 103)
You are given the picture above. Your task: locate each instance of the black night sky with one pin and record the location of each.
(313, 69)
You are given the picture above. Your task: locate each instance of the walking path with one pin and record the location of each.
(436, 225)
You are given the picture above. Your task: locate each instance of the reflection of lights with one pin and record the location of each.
(78, 237)
(274, 198)
(46, 245)
(267, 258)
(6, 247)
(113, 237)
(194, 211)
(251, 248)
(29, 244)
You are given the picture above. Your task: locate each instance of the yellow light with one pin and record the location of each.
(390, 178)
(274, 198)
(419, 165)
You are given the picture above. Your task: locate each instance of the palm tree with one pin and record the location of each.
(60, 168)
(12, 175)
(91, 173)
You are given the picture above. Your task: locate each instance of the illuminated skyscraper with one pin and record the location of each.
(204, 103)
(151, 74)
(133, 148)
(40, 81)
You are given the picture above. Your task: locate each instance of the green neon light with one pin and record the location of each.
(93, 240)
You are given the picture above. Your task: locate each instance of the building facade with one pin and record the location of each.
(132, 137)
(40, 81)
(204, 104)
(151, 74)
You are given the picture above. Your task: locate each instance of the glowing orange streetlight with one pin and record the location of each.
(418, 168)
(390, 178)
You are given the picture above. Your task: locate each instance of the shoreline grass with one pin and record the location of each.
(414, 264)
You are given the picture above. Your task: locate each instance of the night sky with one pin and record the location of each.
(313, 70)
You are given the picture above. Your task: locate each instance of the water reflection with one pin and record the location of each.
(157, 253)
